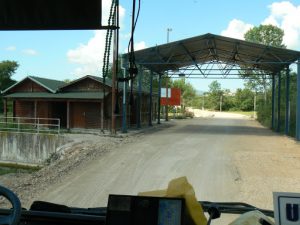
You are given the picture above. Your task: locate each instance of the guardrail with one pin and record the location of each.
(29, 124)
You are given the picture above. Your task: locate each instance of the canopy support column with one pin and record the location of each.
(5, 109)
(273, 101)
(68, 114)
(139, 99)
(278, 102)
(298, 103)
(287, 102)
(167, 99)
(150, 99)
(35, 109)
(159, 95)
(124, 106)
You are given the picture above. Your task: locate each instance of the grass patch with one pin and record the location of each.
(250, 113)
(6, 168)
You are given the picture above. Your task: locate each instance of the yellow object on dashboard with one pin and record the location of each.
(181, 188)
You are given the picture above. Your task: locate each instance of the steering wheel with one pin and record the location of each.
(14, 217)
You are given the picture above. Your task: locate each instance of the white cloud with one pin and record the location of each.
(137, 46)
(11, 48)
(140, 45)
(286, 16)
(89, 56)
(236, 29)
(283, 14)
(270, 20)
(31, 52)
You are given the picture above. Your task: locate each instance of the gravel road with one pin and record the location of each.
(225, 157)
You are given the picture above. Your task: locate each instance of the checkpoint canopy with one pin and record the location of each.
(210, 48)
(228, 54)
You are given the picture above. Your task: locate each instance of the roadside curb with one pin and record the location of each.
(155, 126)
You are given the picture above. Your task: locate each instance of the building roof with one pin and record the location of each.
(50, 84)
(108, 81)
(67, 95)
(56, 89)
(210, 48)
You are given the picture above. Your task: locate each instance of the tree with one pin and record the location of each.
(270, 35)
(214, 95)
(267, 35)
(188, 92)
(67, 80)
(244, 99)
(7, 69)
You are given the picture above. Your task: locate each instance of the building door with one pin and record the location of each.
(85, 115)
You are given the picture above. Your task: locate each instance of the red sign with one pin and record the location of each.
(174, 99)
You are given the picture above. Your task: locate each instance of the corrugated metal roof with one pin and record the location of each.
(214, 48)
(67, 95)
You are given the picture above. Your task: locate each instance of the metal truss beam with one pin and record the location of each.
(192, 58)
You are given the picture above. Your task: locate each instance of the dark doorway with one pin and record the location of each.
(59, 110)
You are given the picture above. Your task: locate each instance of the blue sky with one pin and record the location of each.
(72, 54)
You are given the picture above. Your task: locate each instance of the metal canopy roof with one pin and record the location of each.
(210, 48)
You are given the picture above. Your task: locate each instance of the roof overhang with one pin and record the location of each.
(210, 48)
(55, 96)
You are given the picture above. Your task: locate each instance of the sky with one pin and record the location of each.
(73, 54)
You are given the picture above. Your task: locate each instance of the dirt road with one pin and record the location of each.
(225, 158)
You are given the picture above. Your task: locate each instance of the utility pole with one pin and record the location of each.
(221, 100)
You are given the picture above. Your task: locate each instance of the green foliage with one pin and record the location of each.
(264, 108)
(67, 81)
(215, 95)
(270, 35)
(261, 83)
(228, 100)
(7, 69)
(6, 168)
(267, 35)
(244, 99)
(188, 92)
(197, 102)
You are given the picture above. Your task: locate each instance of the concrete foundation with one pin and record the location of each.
(28, 148)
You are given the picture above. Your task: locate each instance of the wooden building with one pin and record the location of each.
(83, 103)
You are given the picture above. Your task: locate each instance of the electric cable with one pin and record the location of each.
(133, 71)
(107, 48)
